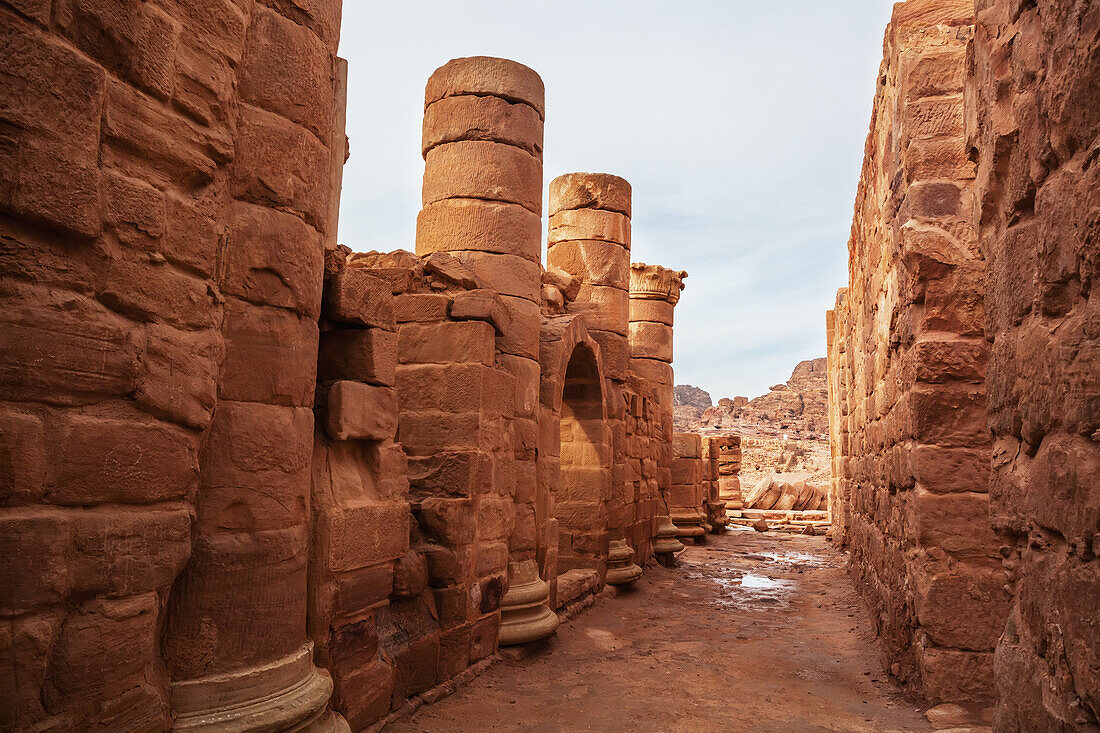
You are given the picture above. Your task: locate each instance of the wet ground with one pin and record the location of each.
(751, 632)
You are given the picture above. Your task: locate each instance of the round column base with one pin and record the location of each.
(289, 695)
(525, 614)
(621, 569)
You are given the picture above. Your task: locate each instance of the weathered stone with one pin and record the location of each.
(483, 170)
(486, 76)
(454, 224)
(470, 117)
(357, 411)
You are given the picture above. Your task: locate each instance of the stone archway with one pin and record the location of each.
(584, 485)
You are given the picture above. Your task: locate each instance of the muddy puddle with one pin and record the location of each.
(757, 581)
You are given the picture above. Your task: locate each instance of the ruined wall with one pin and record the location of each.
(839, 500)
(687, 492)
(716, 506)
(589, 238)
(165, 191)
(1034, 122)
(917, 451)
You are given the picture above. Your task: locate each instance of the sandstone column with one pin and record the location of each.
(685, 496)
(235, 636)
(729, 466)
(654, 292)
(589, 237)
(482, 197)
(716, 505)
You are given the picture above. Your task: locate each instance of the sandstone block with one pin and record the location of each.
(444, 387)
(447, 566)
(958, 523)
(591, 225)
(301, 91)
(457, 473)
(282, 165)
(469, 117)
(593, 262)
(486, 76)
(103, 460)
(174, 152)
(687, 445)
(657, 372)
(950, 360)
(604, 308)
(482, 305)
(504, 274)
(255, 466)
(64, 349)
(495, 518)
(421, 307)
(147, 291)
(945, 599)
(123, 552)
(415, 666)
(445, 342)
(359, 589)
(273, 258)
(180, 373)
(935, 117)
(451, 522)
(483, 170)
(354, 296)
(655, 311)
(410, 576)
(456, 224)
(522, 337)
(426, 433)
(357, 411)
(364, 696)
(614, 353)
(932, 74)
(22, 458)
(444, 269)
(526, 373)
(590, 191)
(53, 101)
(366, 534)
(583, 484)
(651, 340)
(270, 356)
(949, 417)
(36, 559)
(358, 354)
(105, 647)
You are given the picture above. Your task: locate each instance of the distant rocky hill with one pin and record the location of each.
(798, 408)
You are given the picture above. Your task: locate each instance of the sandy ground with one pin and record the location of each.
(750, 632)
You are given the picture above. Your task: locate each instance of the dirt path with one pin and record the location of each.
(750, 633)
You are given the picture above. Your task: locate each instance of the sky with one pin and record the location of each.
(740, 126)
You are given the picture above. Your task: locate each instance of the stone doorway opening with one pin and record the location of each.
(584, 488)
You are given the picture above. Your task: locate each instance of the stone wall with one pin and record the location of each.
(911, 375)
(1034, 121)
(166, 196)
(687, 493)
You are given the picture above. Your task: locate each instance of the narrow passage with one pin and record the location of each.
(750, 633)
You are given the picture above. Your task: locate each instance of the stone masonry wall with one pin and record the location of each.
(165, 186)
(917, 448)
(1035, 124)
